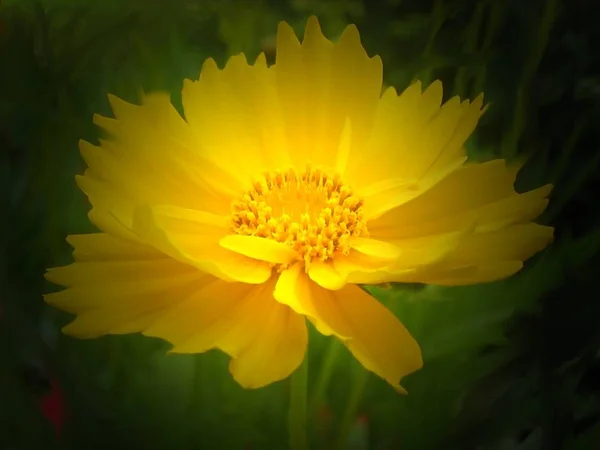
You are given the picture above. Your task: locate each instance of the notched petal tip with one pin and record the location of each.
(313, 19)
(376, 59)
(74, 329)
(89, 152)
(83, 144)
(80, 180)
(314, 41)
(478, 100)
(113, 99)
(261, 60)
(50, 276)
(351, 36)
(155, 98)
(312, 29)
(435, 87)
(209, 68)
(416, 85)
(542, 194)
(400, 390)
(389, 91)
(188, 84)
(286, 35)
(106, 123)
(120, 107)
(235, 61)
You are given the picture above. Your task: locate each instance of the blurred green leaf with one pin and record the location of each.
(588, 440)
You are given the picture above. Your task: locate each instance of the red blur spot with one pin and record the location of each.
(53, 407)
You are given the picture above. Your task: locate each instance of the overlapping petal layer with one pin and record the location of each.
(150, 158)
(120, 287)
(369, 330)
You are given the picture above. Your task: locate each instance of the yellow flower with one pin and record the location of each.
(282, 189)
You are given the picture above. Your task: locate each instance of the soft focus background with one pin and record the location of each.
(513, 365)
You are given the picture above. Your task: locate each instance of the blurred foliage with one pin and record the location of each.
(509, 365)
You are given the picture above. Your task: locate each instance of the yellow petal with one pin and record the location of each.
(120, 270)
(235, 115)
(376, 337)
(316, 82)
(415, 254)
(462, 192)
(325, 275)
(110, 211)
(295, 291)
(378, 249)
(357, 268)
(388, 231)
(213, 312)
(193, 237)
(286, 289)
(317, 141)
(156, 116)
(343, 151)
(267, 341)
(348, 266)
(132, 167)
(454, 148)
(120, 297)
(431, 100)
(386, 195)
(383, 276)
(473, 274)
(290, 82)
(488, 256)
(93, 324)
(436, 134)
(351, 66)
(427, 250)
(518, 242)
(379, 139)
(414, 139)
(398, 122)
(371, 332)
(260, 248)
(512, 210)
(278, 350)
(255, 88)
(214, 113)
(105, 247)
(135, 164)
(380, 197)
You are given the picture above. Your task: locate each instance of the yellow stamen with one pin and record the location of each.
(312, 212)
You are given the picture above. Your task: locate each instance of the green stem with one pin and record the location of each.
(565, 156)
(324, 375)
(496, 16)
(297, 411)
(356, 393)
(520, 113)
(439, 18)
(470, 40)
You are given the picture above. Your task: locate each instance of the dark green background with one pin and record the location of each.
(508, 366)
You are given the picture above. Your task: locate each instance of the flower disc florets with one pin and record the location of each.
(311, 211)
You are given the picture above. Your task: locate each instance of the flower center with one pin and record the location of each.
(312, 212)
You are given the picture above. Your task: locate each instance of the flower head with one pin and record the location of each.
(283, 189)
